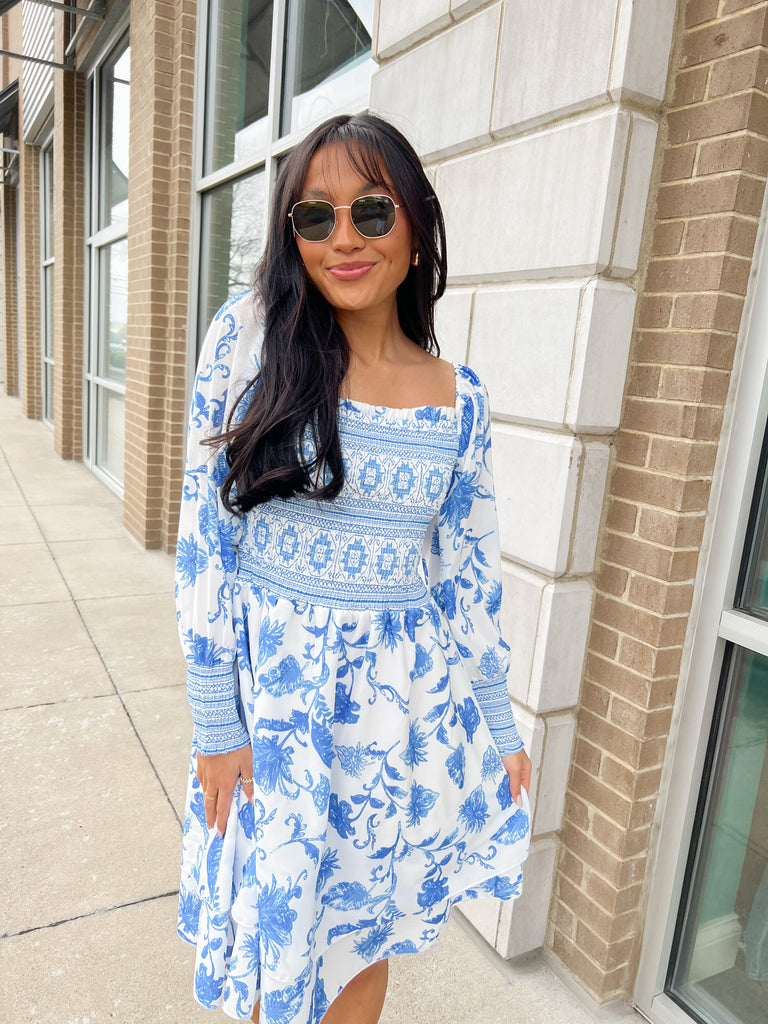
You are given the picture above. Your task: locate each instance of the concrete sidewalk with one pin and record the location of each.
(94, 745)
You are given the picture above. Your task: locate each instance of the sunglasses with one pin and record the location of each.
(314, 219)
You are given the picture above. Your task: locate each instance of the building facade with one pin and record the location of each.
(602, 168)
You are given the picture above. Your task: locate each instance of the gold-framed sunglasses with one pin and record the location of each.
(372, 216)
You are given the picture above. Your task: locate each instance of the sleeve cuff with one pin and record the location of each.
(494, 703)
(215, 711)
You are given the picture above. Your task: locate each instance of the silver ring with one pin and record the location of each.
(244, 781)
(210, 798)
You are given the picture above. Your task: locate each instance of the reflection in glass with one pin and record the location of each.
(721, 969)
(48, 311)
(115, 110)
(327, 58)
(237, 93)
(754, 590)
(48, 203)
(231, 242)
(110, 431)
(113, 309)
(48, 396)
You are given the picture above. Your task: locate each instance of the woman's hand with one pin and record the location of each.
(518, 768)
(218, 775)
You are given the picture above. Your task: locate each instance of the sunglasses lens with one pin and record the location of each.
(373, 216)
(313, 220)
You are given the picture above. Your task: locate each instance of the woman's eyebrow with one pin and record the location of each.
(366, 189)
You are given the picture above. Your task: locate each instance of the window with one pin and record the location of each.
(107, 244)
(273, 67)
(720, 966)
(46, 290)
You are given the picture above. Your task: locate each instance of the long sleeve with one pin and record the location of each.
(206, 555)
(463, 564)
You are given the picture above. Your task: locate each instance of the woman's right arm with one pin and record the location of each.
(206, 567)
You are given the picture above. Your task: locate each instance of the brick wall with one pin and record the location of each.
(712, 162)
(160, 196)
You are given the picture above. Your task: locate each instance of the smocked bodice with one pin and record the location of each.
(363, 549)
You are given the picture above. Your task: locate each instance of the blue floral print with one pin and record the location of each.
(355, 646)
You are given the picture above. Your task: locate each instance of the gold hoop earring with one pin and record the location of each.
(415, 260)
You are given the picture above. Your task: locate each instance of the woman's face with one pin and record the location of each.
(353, 273)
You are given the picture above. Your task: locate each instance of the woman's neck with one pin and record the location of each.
(373, 335)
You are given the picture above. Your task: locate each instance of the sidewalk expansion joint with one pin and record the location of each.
(91, 913)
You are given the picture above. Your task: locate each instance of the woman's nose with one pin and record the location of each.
(345, 235)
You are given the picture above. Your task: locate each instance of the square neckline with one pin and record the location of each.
(404, 410)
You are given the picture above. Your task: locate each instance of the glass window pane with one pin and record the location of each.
(48, 388)
(721, 967)
(48, 311)
(113, 309)
(753, 594)
(327, 58)
(231, 241)
(115, 110)
(48, 203)
(110, 433)
(237, 94)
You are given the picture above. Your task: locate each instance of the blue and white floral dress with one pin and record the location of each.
(353, 643)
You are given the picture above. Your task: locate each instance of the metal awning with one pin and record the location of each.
(86, 12)
(94, 10)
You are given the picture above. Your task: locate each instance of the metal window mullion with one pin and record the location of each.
(744, 630)
(274, 100)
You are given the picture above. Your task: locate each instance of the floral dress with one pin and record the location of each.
(355, 644)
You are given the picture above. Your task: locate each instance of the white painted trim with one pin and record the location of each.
(715, 949)
(744, 630)
(725, 530)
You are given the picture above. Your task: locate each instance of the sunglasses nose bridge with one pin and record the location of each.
(343, 228)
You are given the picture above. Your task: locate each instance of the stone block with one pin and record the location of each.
(522, 345)
(554, 59)
(523, 922)
(594, 470)
(554, 767)
(442, 113)
(520, 604)
(401, 25)
(483, 915)
(560, 206)
(561, 640)
(452, 318)
(536, 481)
(641, 52)
(634, 195)
(601, 350)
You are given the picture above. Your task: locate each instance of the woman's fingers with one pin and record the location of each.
(218, 775)
(518, 768)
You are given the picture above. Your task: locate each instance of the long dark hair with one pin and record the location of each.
(287, 441)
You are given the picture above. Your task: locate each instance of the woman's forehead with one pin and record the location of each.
(335, 166)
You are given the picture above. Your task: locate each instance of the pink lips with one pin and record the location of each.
(350, 271)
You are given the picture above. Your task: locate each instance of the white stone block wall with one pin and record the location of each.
(537, 123)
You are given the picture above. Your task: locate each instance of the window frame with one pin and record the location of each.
(47, 264)
(97, 239)
(267, 157)
(714, 625)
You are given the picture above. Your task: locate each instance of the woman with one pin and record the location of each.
(356, 768)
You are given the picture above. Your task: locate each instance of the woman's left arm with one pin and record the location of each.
(463, 564)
